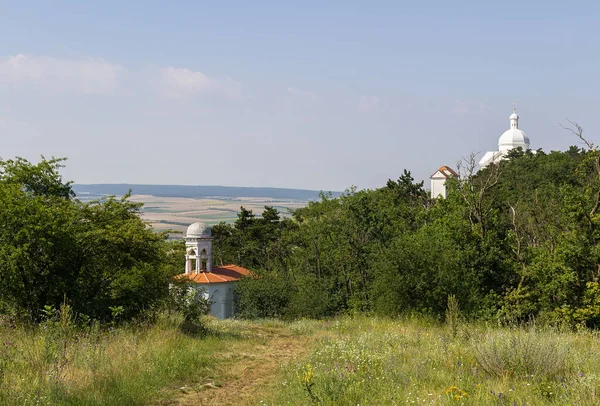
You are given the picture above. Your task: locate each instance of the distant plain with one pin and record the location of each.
(175, 207)
(177, 213)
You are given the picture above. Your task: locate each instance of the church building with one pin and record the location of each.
(512, 138)
(217, 283)
(438, 181)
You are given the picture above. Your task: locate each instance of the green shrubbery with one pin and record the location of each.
(514, 242)
(99, 255)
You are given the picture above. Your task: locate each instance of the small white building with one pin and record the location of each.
(512, 138)
(438, 181)
(217, 283)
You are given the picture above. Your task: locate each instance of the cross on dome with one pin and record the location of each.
(514, 118)
(513, 137)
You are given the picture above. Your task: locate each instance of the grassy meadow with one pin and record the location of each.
(370, 361)
(57, 363)
(344, 361)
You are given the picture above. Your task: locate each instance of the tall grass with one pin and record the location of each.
(353, 360)
(371, 361)
(59, 363)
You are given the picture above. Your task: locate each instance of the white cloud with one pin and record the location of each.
(181, 82)
(89, 75)
(369, 103)
(300, 93)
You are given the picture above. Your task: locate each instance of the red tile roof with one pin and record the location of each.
(444, 171)
(221, 274)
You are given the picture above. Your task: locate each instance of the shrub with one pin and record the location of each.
(187, 300)
(453, 315)
(522, 353)
(265, 296)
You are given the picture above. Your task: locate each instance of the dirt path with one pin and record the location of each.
(249, 369)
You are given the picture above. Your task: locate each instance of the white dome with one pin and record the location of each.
(198, 230)
(513, 138)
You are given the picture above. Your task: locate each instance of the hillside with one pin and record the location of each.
(199, 191)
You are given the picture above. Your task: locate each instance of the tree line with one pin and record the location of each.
(514, 241)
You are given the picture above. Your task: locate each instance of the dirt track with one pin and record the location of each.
(248, 369)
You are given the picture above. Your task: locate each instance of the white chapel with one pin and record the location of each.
(512, 138)
(438, 181)
(217, 283)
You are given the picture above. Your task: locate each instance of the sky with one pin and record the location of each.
(311, 94)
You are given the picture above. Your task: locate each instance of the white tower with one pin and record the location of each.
(198, 249)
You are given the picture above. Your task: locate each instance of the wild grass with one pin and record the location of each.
(352, 360)
(371, 361)
(60, 364)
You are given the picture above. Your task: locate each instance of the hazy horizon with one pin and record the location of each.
(192, 185)
(266, 94)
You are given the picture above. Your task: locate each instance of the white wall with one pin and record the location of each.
(438, 187)
(221, 296)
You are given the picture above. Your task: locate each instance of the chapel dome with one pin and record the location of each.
(513, 138)
(198, 230)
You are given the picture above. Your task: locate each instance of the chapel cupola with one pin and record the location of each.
(198, 249)
(514, 119)
(513, 137)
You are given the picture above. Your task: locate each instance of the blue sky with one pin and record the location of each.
(311, 94)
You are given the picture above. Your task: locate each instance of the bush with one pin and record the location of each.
(189, 301)
(522, 353)
(265, 296)
(312, 298)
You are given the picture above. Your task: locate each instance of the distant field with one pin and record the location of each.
(177, 213)
(173, 207)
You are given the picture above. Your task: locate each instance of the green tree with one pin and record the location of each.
(98, 255)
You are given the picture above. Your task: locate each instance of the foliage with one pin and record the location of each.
(187, 300)
(515, 241)
(98, 255)
(265, 296)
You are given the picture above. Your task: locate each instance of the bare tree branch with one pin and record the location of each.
(576, 129)
(474, 189)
